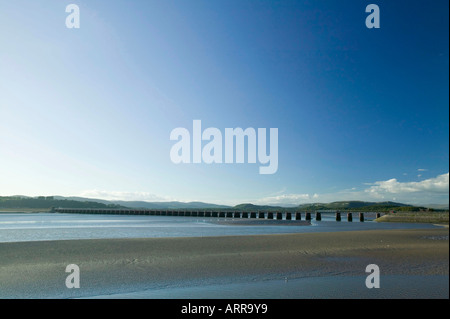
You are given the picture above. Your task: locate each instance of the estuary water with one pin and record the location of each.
(21, 227)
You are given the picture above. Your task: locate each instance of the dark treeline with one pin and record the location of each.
(42, 202)
(48, 202)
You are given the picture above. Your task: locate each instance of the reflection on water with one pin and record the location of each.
(46, 226)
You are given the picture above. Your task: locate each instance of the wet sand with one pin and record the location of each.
(262, 222)
(37, 269)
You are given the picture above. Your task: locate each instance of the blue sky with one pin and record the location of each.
(362, 114)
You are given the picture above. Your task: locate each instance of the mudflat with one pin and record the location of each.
(37, 269)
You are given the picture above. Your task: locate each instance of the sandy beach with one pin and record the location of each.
(37, 269)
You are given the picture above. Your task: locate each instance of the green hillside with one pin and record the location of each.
(252, 207)
(360, 206)
(46, 203)
(342, 205)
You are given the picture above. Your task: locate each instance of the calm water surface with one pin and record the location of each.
(47, 226)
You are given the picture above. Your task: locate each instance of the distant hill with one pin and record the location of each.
(45, 203)
(438, 206)
(348, 205)
(252, 207)
(150, 205)
(342, 205)
(169, 205)
(360, 205)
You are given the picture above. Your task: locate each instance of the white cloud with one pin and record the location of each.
(430, 191)
(437, 184)
(433, 190)
(422, 170)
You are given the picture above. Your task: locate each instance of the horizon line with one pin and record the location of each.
(228, 205)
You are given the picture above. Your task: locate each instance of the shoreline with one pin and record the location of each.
(416, 217)
(37, 269)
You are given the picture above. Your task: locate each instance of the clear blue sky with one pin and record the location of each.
(362, 114)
